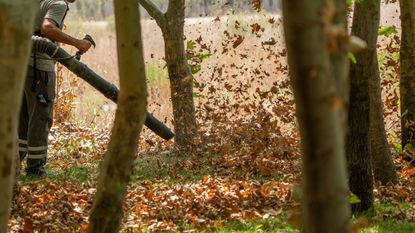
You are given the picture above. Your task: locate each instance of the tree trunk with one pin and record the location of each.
(383, 167)
(206, 7)
(365, 25)
(407, 60)
(181, 79)
(340, 61)
(16, 26)
(117, 166)
(325, 203)
(339, 58)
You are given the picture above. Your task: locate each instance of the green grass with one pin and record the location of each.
(162, 167)
(75, 25)
(390, 227)
(268, 225)
(171, 169)
(157, 75)
(390, 209)
(90, 105)
(82, 173)
(110, 23)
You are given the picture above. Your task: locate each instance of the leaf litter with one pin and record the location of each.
(248, 134)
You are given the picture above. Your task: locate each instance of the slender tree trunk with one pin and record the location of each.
(325, 203)
(181, 79)
(407, 85)
(102, 9)
(339, 58)
(117, 166)
(383, 167)
(206, 7)
(16, 26)
(365, 25)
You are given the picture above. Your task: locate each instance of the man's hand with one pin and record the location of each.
(50, 30)
(83, 46)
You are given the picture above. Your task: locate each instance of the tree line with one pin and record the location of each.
(102, 9)
(338, 102)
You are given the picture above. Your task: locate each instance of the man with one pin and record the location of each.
(39, 91)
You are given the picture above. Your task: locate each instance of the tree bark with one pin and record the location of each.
(325, 202)
(181, 79)
(365, 26)
(383, 167)
(407, 82)
(16, 26)
(117, 166)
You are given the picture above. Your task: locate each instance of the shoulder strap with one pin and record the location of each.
(66, 12)
(38, 33)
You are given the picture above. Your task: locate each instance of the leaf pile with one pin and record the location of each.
(52, 206)
(63, 206)
(209, 203)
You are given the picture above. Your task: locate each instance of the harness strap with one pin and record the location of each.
(39, 33)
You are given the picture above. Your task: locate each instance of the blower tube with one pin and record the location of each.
(109, 90)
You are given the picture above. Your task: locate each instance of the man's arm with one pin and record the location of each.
(51, 31)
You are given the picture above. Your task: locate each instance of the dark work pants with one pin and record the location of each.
(36, 119)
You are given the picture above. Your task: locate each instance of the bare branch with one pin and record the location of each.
(154, 11)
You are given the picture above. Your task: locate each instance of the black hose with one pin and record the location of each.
(109, 90)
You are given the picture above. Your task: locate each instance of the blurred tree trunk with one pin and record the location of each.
(325, 202)
(181, 79)
(340, 61)
(117, 166)
(102, 9)
(365, 26)
(206, 6)
(407, 60)
(339, 58)
(16, 28)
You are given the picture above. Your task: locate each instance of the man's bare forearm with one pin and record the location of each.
(55, 34)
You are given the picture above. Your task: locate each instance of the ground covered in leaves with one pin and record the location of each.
(244, 171)
(210, 190)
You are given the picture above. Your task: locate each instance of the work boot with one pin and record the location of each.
(35, 167)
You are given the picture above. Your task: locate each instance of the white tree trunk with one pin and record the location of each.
(16, 26)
